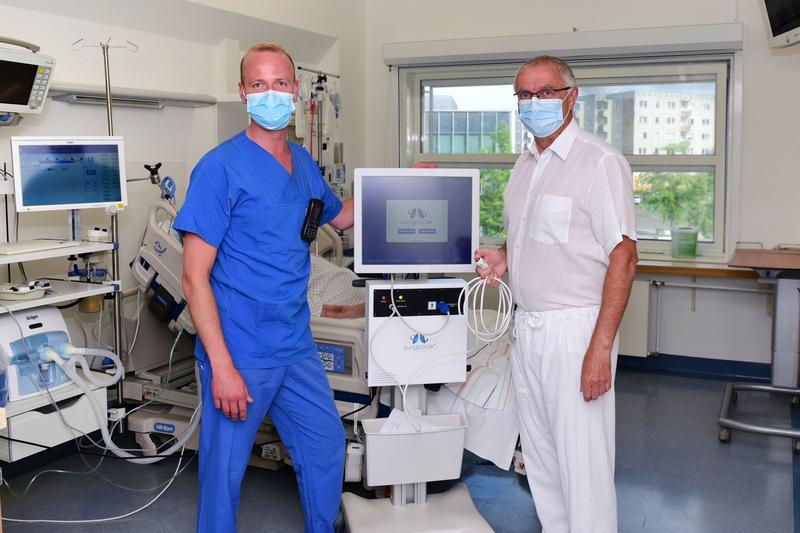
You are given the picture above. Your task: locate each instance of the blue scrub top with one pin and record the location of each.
(242, 202)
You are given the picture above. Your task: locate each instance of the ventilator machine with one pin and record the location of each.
(416, 221)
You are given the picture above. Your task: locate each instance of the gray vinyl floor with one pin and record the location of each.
(673, 475)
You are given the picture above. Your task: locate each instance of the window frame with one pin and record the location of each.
(667, 69)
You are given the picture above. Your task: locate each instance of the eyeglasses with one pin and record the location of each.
(547, 92)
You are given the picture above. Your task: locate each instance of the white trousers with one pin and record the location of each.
(567, 443)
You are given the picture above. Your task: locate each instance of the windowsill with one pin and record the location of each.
(700, 260)
(699, 266)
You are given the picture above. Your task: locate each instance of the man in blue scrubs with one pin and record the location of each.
(245, 274)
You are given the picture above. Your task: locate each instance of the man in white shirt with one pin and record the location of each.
(571, 259)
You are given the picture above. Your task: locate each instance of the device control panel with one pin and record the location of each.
(416, 302)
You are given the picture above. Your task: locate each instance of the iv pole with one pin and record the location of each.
(104, 47)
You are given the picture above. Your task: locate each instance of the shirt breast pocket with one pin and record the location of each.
(551, 216)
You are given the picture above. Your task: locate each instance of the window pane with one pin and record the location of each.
(445, 144)
(460, 122)
(430, 131)
(474, 122)
(445, 122)
(493, 183)
(672, 118)
(666, 199)
(459, 144)
(474, 144)
(489, 111)
(489, 122)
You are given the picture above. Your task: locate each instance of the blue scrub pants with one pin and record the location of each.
(299, 401)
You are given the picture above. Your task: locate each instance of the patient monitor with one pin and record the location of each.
(24, 80)
(63, 173)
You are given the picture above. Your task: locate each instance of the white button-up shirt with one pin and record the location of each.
(565, 211)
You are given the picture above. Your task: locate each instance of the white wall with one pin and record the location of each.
(770, 141)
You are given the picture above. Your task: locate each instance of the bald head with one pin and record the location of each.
(567, 76)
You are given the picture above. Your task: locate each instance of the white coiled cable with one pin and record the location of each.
(473, 297)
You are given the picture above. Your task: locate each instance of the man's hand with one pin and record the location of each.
(496, 264)
(230, 392)
(595, 373)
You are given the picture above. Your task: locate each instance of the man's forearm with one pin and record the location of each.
(616, 290)
(205, 315)
(344, 220)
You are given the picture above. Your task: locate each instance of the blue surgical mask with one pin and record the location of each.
(271, 109)
(541, 117)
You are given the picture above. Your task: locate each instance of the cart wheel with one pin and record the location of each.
(796, 446)
(796, 401)
(734, 397)
(724, 435)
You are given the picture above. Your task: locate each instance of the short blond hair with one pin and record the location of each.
(566, 71)
(264, 47)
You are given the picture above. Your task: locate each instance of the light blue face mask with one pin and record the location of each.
(541, 117)
(271, 109)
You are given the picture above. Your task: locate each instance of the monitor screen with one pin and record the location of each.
(416, 220)
(17, 83)
(784, 15)
(55, 173)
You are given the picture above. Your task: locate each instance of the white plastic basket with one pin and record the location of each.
(411, 457)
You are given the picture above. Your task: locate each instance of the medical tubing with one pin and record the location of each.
(417, 426)
(132, 345)
(69, 370)
(415, 330)
(97, 520)
(87, 372)
(93, 470)
(78, 353)
(145, 404)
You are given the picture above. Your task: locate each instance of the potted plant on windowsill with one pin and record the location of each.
(684, 200)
